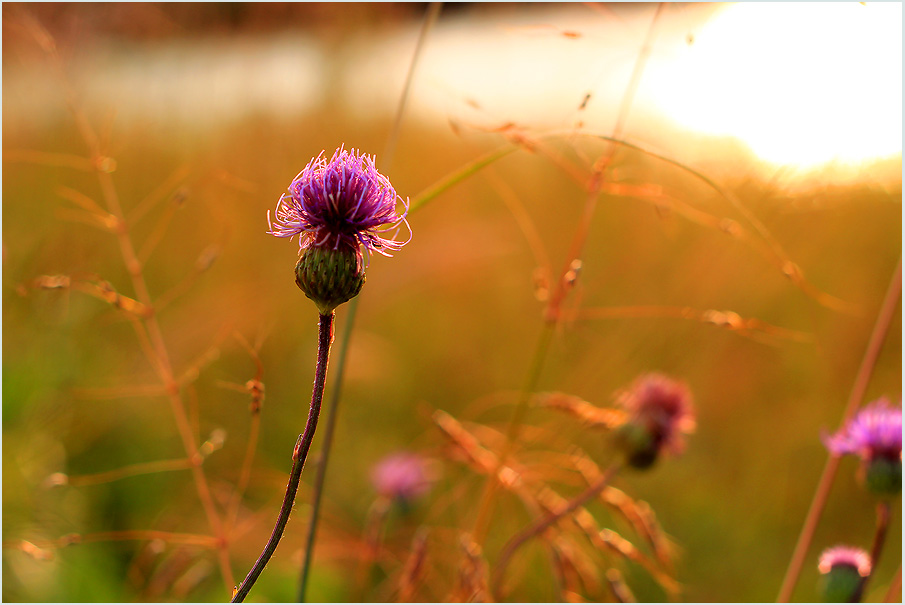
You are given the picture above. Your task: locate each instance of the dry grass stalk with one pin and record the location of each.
(605, 540)
(96, 287)
(473, 574)
(588, 413)
(413, 570)
(619, 545)
(618, 587)
(638, 514)
(576, 570)
(572, 597)
(479, 458)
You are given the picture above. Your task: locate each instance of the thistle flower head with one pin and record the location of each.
(875, 432)
(343, 201)
(843, 570)
(659, 411)
(850, 556)
(401, 476)
(875, 435)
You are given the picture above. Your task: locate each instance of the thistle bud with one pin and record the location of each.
(843, 570)
(639, 445)
(659, 411)
(883, 477)
(330, 276)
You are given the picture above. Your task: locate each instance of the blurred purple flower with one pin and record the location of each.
(402, 476)
(848, 556)
(344, 201)
(874, 433)
(662, 406)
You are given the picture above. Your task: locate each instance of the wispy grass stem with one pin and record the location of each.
(862, 379)
(536, 528)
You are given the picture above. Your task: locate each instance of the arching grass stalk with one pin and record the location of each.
(871, 353)
(299, 455)
(766, 245)
(562, 288)
(536, 528)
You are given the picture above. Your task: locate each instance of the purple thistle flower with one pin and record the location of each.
(402, 476)
(663, 406)
(341, 202)
(875, 433)
(848, 556)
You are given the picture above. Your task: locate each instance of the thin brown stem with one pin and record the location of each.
(371, 539)
(482, 521)
(628, 98)
(877, 547)
(299, 455)
(142, 468)
(245, 474)
(321, 467)
(160, 356)
(563, 286)
(894, 592)
(155, 347)
(536, 528)
(115, 536)
(862, 379)
(433, 12)
(255, 388)
(162, 360)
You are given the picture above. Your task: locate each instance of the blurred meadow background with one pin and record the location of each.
(759, 293)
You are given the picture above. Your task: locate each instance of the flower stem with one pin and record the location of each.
(895, 588)
(329, 429)
(540, 525)
(482, 521)
(430, 19)
(299, 455)
(877, 547)
(562, 288)
(874, 345)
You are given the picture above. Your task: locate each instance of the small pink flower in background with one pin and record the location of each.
(874, 435)
(875, 432)
(401, 476)
(660, 410)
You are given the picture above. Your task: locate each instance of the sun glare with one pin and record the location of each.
(801, 84)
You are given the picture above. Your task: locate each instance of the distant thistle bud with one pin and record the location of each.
(875, 435)
(330, 277)
(659, 410)
(843, 570)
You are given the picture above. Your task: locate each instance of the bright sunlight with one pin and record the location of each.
(800, 83)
